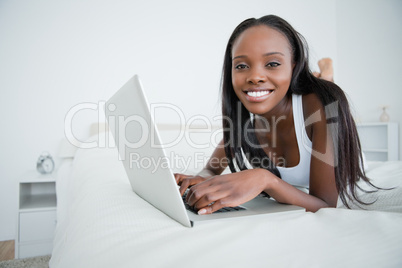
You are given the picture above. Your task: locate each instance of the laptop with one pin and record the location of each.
(147, 166)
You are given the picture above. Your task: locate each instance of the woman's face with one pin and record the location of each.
(262, 69)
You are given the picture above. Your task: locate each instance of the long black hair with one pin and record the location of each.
(238, 130)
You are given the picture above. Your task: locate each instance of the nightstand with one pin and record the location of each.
(380, 141)
(36, 217)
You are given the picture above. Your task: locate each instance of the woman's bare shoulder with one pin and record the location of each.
(313, 112)
(311, 104)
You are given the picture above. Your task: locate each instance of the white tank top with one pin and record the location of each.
(299, 175)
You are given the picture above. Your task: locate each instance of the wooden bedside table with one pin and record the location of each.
(36, 217)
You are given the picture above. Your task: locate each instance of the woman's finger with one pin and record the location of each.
(221, 203)
(189, 181)
(179, 177)
(205, 193)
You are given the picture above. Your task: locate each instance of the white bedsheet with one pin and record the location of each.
(105, 224)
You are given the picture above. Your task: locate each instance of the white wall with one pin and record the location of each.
(369, 42)
(56, 54)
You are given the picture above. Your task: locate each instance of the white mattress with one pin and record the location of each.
(103, 223)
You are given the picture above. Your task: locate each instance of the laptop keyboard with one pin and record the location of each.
(225, 209)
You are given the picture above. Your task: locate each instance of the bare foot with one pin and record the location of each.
(326, 69)
(316, 74)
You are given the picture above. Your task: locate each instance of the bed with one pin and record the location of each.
(103, 223)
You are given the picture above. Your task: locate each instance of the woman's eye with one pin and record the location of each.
(273, 64)
(240, 66)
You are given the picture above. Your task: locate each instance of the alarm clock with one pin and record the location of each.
(45, 164)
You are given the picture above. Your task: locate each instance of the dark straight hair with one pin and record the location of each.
(238, 132)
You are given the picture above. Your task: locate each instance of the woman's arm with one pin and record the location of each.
(283, 192)
(234, 189)
(323, 163)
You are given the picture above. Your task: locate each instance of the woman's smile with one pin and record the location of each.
(257, 95)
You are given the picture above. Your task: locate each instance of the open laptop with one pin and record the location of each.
(135, 133)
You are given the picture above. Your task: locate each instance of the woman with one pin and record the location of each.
(283, 127)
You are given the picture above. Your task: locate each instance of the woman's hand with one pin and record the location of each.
(186, 181)
(228, 190)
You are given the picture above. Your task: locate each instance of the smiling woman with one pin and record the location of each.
(284, 127)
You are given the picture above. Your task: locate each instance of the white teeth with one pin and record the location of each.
(258, 93)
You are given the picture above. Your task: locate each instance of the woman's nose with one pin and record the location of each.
(256, 76)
